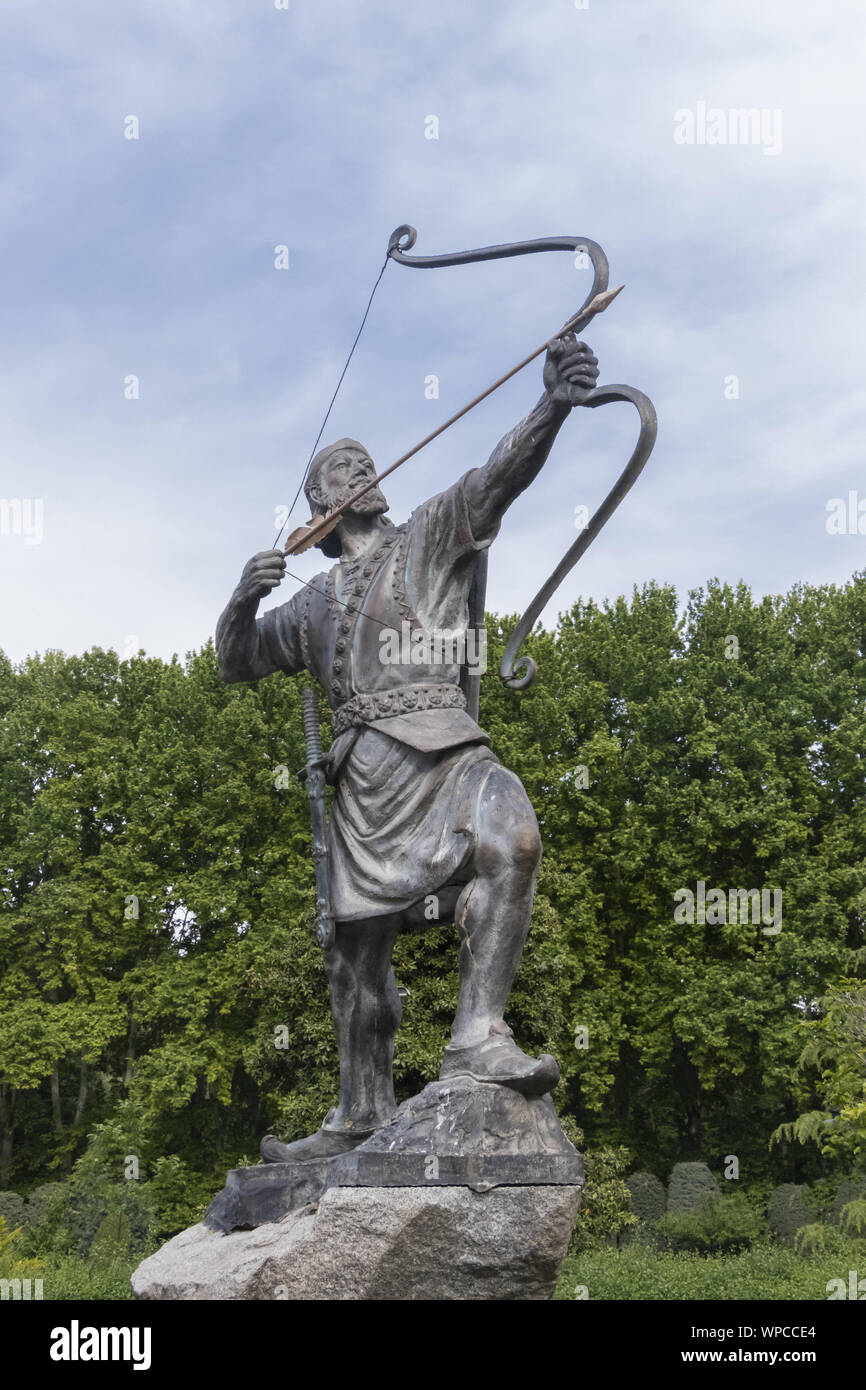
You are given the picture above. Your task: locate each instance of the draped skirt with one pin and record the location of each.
(402, 822)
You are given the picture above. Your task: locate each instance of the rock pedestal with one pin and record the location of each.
(400, 1243)
(470, 1192)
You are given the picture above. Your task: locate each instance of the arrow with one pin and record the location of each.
(318, 527)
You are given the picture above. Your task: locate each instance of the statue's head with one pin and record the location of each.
(335, 473)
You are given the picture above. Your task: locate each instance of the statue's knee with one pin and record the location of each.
(527, 847)
(340, 972)
(515, 850)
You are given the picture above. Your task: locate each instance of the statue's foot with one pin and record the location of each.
(498, 1059)
(325, 1143)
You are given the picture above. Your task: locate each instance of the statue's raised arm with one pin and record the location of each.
(519, 457)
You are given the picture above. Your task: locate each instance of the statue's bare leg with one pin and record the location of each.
(367, 1010)
(492, 917)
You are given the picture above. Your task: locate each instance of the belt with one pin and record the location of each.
(384, 704)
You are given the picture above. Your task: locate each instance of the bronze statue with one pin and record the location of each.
(423, 811)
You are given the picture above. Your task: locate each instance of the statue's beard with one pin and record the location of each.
(371, 504)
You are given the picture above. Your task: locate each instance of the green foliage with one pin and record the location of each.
(766, 1272)
(849, 1190)
(46, 1207)
(102, 1203)
(853, 1218)
(113, 1237)
(572, 1131)
(722, 1224)
(87, 1208)
(13, 1210)
(14, 1263)
(851, 1223)
(689, 1187)
(103, 1274)
(737, 772)
(648, 1196)
(836, 1047)
(811, 1239)
(8, 1237)
(155, 912)
(179, 1194)
(73, 1277)
(789, 1210)
(605, 1208)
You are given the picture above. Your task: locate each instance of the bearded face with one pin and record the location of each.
(344, 473)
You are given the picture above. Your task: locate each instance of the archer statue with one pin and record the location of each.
(423, 811)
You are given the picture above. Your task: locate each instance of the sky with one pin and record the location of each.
(162, 381)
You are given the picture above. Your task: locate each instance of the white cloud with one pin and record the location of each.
(307, 127)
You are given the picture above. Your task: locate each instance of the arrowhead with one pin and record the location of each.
(601, 301)
(585, 316)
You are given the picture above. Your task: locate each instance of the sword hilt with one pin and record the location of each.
(312, 732)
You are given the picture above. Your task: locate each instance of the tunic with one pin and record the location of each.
(405, 750)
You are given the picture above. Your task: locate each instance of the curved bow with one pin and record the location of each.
(600, 395)
(519, 672)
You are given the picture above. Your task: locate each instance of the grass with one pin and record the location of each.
(636, 1272)
(74, 1276)
(765, 1272)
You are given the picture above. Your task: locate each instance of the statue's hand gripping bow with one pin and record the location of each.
(402, 240)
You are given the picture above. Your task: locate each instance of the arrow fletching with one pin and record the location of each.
(306, 536)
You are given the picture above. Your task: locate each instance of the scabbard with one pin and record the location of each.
(314, 775)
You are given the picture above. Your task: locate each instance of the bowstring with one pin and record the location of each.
(331, 405)
(349, 607)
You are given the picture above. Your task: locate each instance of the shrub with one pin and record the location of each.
(849, 1190)
(853, 1222)
(180, 1196)
(89, 1207)
(68, 1277)
(41, 1198)
(570, 1128)
(789, 1210)
(811, 1239)
(648, 1196)
(46, 1211)
(766, 1272)
(12, 1210)
(689, 1185)
(605, 1208)
(72, 1213)
(113, 1239)
(723, 1224)
(12, 1266)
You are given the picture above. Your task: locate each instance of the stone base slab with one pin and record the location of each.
(265, 1192)
(453, 1133)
